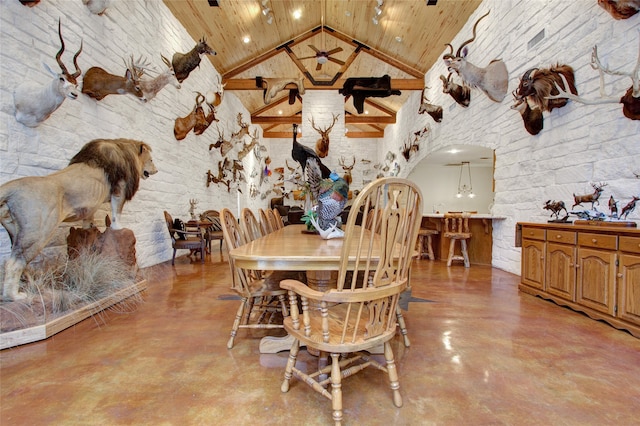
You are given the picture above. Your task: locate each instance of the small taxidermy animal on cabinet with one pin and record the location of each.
(34, 103)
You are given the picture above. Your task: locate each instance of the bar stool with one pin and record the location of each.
(425, 243)
(456, 227)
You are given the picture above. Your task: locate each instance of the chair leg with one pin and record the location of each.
(336, 388)
(236, 323)
(403, 326)
(420, 246)
(291, 362)
(430, 248)
(283, 303)
(393, 374)
(452, 247)
(465, 254)
(173, 259)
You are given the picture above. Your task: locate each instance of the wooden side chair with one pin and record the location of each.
(278, 222)
(250, 225)
(213, 231)
(262, 298)
(456, 227)
(265, 224)
(359, 314)
(425, 243)
(184, 239)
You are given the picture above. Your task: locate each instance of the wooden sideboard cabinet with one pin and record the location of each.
(593, 269)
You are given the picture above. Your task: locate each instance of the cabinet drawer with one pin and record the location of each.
(533, 233)
(565, 237)
(602, 241)
(630, 244)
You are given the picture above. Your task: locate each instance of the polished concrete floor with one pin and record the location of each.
(481, 354)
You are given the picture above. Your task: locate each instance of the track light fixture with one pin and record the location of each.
(267, 12)
(378, 10)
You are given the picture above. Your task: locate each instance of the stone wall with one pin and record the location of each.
(579, 144)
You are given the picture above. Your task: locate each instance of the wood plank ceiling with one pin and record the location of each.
(408, 39)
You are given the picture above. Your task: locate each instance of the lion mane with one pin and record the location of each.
(32, 207)
(119, 160)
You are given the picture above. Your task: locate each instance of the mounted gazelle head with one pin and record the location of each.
(493, 79)
(322, 144)
(435, 111)
(460, 93)
(35, 103)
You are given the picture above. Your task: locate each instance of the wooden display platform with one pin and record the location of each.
(613, 224)
(46, 330)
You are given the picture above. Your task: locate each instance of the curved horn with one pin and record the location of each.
(59, 54)
(474, 35)
(450, 54)
(199, 98)
(527, 74)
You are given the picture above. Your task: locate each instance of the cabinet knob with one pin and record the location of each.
(558, 236)
(594, 241)
(620, 275)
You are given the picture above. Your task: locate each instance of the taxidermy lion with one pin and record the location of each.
(31, 208)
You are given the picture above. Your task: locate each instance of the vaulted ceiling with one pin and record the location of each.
(408, 39)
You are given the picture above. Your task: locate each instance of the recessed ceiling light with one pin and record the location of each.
(399, 39)
(366, 111)
(246, 39)
(297, 14)
(279, 112)
(347, 13)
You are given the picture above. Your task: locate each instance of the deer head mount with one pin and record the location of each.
(322, 144)
(34, 103)
(493, 80)
(150, 88)
(347, 169)
(98, 83)
(184, 63)
(630, 100)
(460, 94)
(435, 111)
(224, 145)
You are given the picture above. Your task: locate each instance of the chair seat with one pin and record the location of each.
(335, 317)
(189, 244)
(457, 235)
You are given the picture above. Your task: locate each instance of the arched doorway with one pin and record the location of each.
(456, 178)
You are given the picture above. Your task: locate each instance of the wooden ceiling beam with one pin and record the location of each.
(288, 135)
(297, 119)
(250, 84)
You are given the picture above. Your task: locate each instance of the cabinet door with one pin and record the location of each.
(629, 291)
(533, 263)
(561, 271)
(596, 285)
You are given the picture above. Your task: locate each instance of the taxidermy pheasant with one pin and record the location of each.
(331, 195)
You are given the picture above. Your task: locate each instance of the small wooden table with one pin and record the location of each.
(290, 249)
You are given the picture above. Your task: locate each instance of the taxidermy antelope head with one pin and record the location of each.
(493, 80)
(184, 125)
(150, 88)
(435, 111)
(347, 169)
(201, 126)
(620, 9)
(214, 97)
(35, 103)
(322, 144)
(97, 7)
(273, 86)
(532, 117)
(539, 85)
(460, 94)
(630, 100)
(184, 63)
(98, 83)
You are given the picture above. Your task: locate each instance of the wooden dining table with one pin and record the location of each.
(293, 249)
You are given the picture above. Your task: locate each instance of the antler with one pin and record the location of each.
(634, 74)
(71, 77)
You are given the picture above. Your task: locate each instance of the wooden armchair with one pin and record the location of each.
(262, 298)
(213, 231)
(358, 316)
(191, 240)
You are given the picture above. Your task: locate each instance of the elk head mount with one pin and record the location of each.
(34, 103)
(184, 63)
(630, 100)
(493, 80)
(322, 144)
